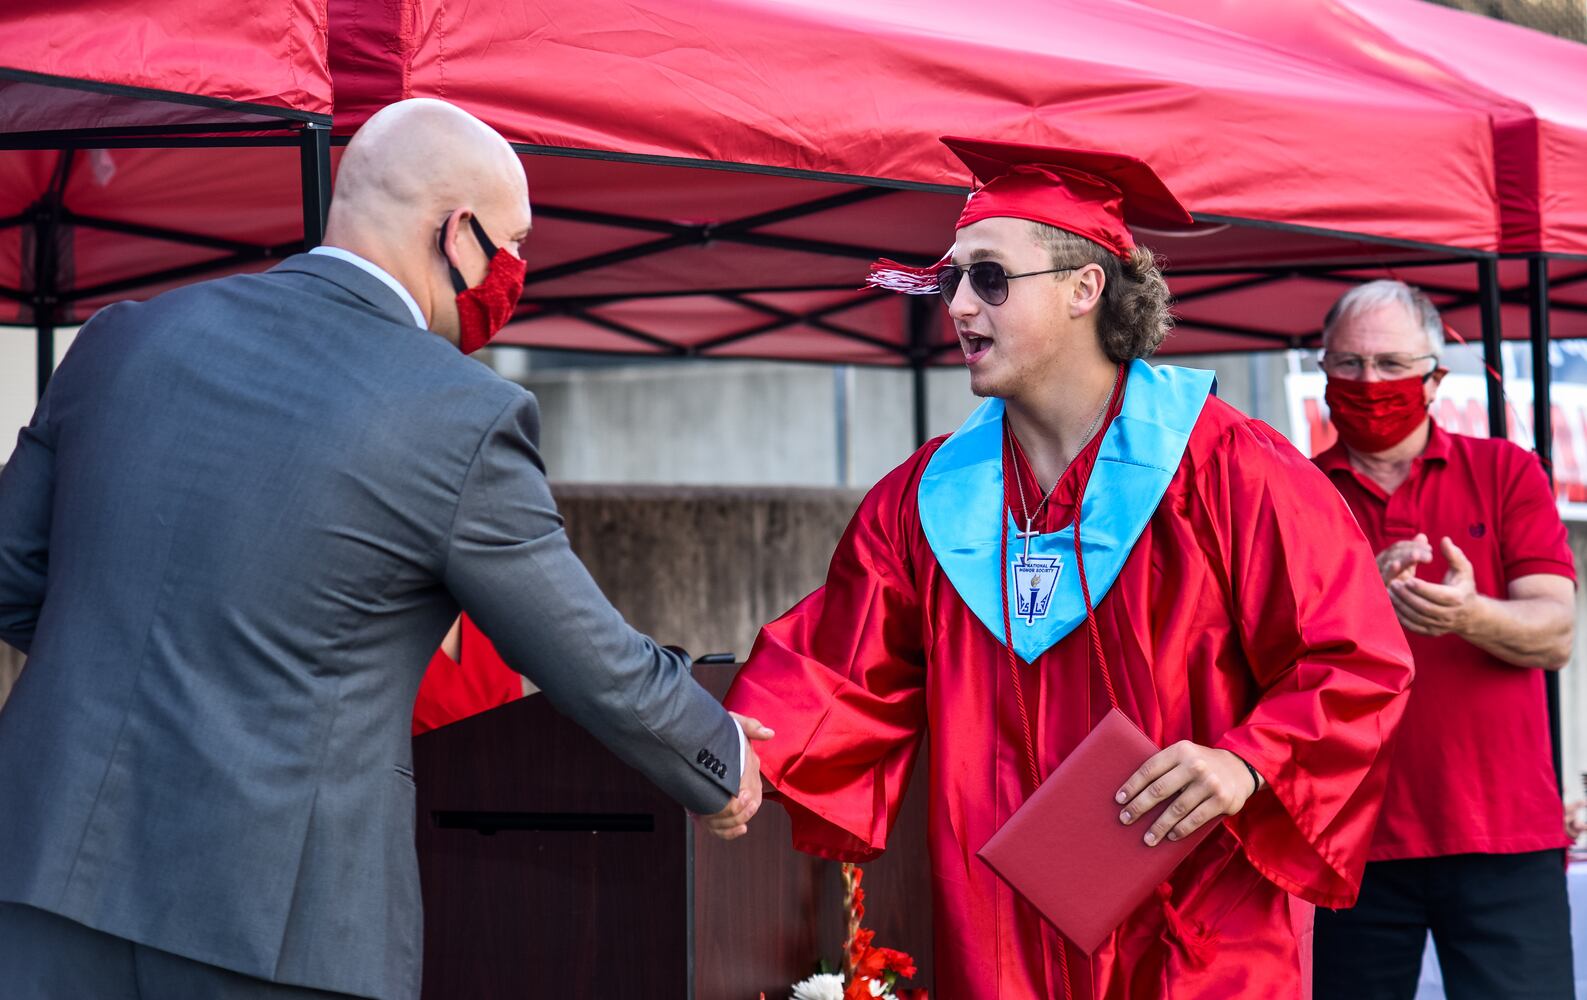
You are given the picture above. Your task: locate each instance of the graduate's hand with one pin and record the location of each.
(733, 821)
(1438, 609)
(1399, 561)
(1208, 783)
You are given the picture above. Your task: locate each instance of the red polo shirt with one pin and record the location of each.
(1473, 772)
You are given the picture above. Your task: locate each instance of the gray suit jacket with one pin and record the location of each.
(242, 519)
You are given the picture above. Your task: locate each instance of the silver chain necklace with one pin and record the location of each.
(1019, 480)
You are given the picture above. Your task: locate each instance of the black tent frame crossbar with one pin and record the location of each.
(46, 221)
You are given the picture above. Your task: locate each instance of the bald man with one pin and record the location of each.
(242, 518)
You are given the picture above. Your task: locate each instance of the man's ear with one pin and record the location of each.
(1434, 382)
(453, 228)
(1087, 295)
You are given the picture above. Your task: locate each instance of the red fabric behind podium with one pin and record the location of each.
(452, 691)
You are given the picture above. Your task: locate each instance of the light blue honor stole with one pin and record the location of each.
(961, 497)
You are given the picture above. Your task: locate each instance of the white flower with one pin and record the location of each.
(827, 986)
(878, 989)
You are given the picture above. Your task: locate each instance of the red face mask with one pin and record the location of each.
(1375, 416)
(484, 309)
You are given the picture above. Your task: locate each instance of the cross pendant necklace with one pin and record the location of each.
(1028, 534)
(1030, 516)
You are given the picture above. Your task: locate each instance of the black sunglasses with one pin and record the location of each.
(987, 279)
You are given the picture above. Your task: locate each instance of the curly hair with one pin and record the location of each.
(1134, 317)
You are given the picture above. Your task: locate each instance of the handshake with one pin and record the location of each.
(733, 821)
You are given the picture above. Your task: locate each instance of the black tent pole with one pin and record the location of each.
(922, 313)
(314, 158)
(46, 216)
(1537, 295)
(1488, 301)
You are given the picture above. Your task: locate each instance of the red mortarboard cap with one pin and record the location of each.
(1089, 193)
(1092, 194)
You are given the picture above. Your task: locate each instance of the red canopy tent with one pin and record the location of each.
(1547, 75)
(821, 162)
(1528, 83)
(168, 142)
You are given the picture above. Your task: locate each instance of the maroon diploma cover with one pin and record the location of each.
(1065, 850)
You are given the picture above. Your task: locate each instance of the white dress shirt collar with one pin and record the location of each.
(378, 272)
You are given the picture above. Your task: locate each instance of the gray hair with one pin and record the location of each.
(1374, 294)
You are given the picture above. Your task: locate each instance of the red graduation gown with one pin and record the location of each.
(1249, 615)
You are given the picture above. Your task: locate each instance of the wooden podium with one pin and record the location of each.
(552, 869)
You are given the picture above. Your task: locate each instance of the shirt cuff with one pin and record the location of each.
(743, 752)
(1533, 567)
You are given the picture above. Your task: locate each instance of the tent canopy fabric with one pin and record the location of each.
(699, 192)
(176, 64)
(1238, 129)
(1529, 83)
(1546, 74)
(711, 196)
(92, 209)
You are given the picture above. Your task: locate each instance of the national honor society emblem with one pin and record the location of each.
(1035, 579)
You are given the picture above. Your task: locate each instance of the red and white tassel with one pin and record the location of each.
(891, 276)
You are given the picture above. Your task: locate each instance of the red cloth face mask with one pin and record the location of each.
(484, 309)
(1375, 416)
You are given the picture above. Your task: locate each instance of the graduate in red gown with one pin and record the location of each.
(1238, 613)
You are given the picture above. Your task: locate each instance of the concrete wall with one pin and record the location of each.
(736, 423)
(762, 423)
(19, 379)
(704, 568)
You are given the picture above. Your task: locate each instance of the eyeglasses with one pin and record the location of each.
(987, 279)
(1390, 366)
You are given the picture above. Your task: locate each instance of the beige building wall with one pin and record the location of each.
(756, 423)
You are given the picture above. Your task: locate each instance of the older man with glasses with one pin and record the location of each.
(1474, 556)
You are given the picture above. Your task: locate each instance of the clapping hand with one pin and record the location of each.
(1436, 609)
(1399, 561)
(733, 821)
